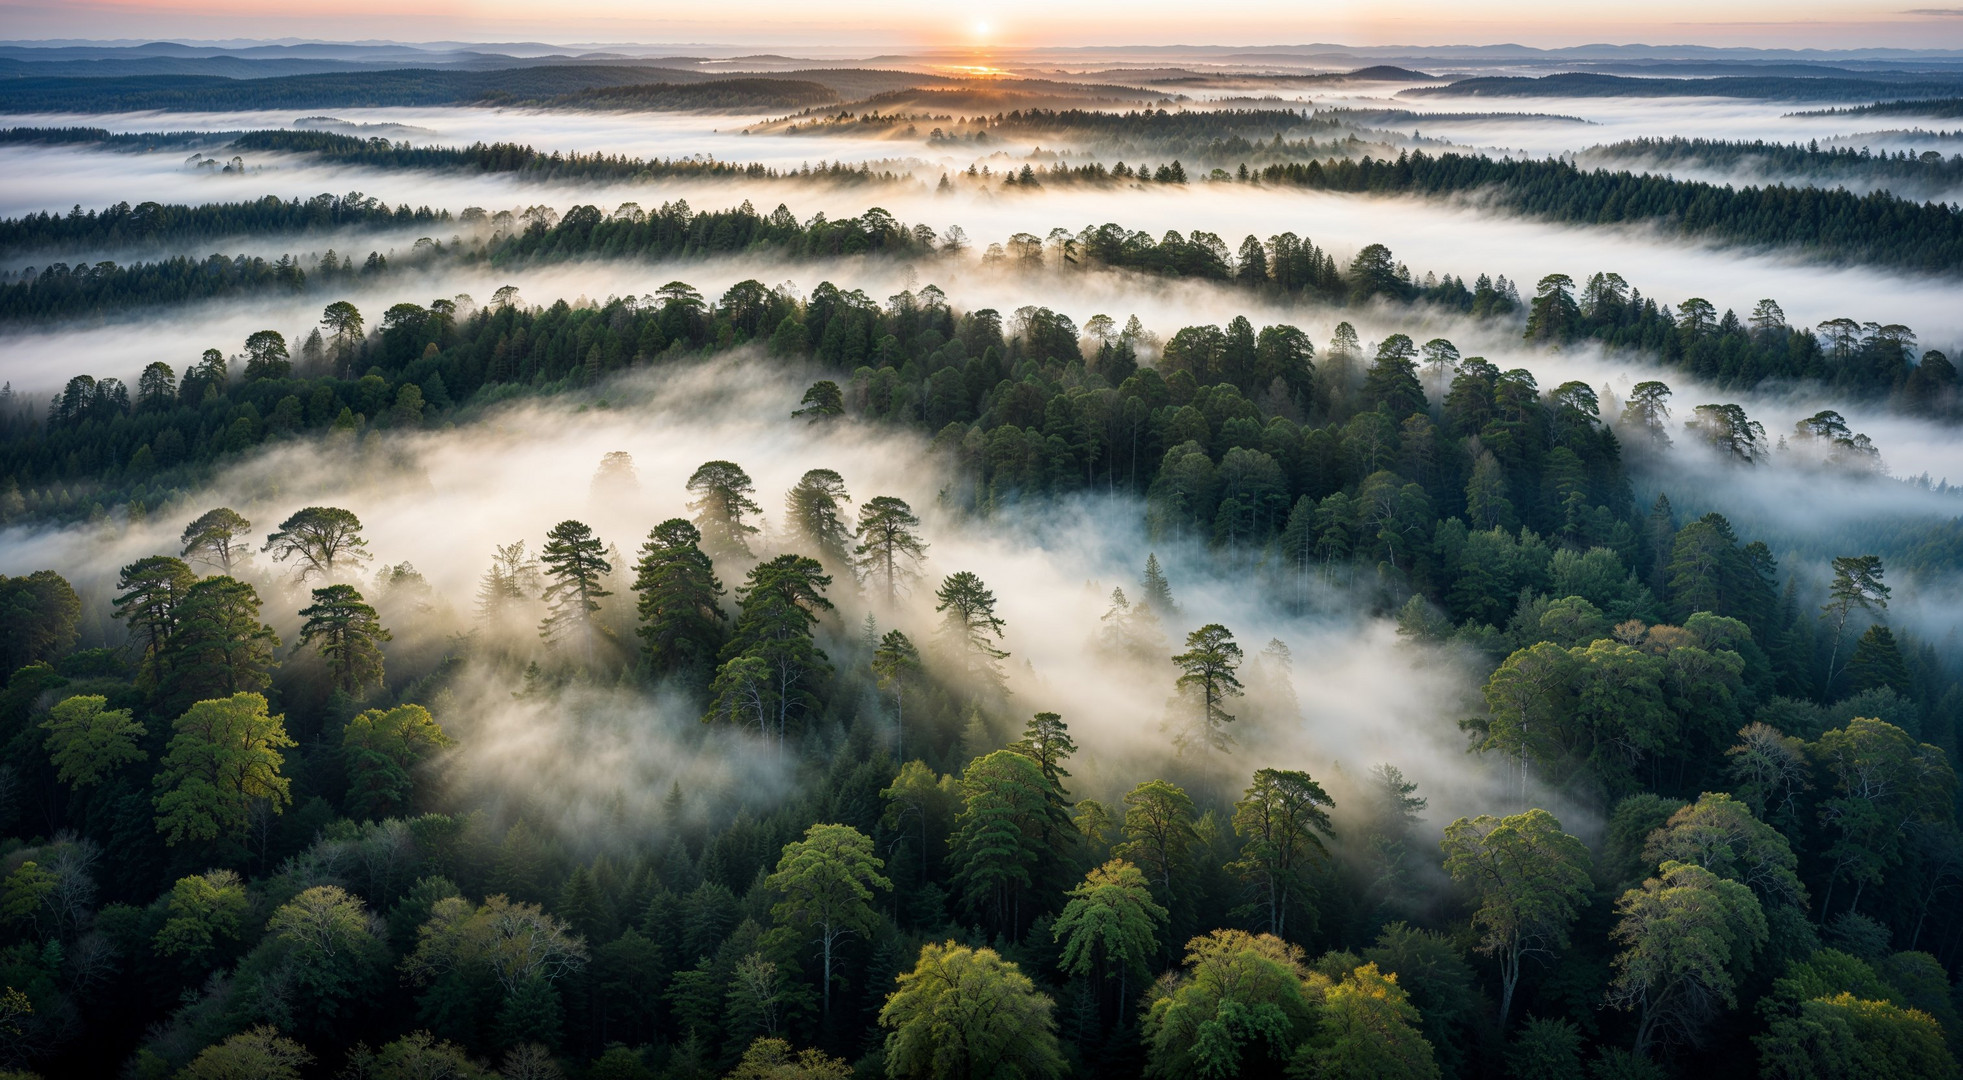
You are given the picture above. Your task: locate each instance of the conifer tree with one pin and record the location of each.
(574, 565)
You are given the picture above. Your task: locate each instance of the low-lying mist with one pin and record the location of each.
(443, 500)
(1462, 236)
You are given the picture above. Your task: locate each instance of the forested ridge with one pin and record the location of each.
(1834, 162)
(1753, 735)
(536, 85)
(1581, 84)
(1878, 227)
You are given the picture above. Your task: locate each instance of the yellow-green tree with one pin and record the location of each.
(202, 908)
(968, 1014)
(260, 1054)
(1531, 879)
(1241, 1007)
(88, 741)
(225, 755)
(827, 881)
(1110, 926)
(1368, 1031)
(382, 748)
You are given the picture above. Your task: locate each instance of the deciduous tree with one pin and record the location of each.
(1531, 879)
(88, 741)
(968, 1014)
(225, 755)
(827, 881)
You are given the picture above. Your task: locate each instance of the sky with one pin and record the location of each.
(1826, 24)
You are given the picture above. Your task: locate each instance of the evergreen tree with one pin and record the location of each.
(1155, 592)
(889, 548)
(721, 501)
(1046, 741)
(896, 664)
(575, 563)
(812, 509)
(1856, 584)
(1277, 820)
(153, 592)
(215, 539)
(1877, 662)
(771, 666)
(349, 634)
(680, 602)
(318, 539)
(220, 647)
(1206, 681)
(970, 626)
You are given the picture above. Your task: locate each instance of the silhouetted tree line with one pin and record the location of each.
(537, 84)
(1834, 162)
(1877, 227)
(151, 223)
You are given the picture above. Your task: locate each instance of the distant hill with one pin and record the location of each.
(1771, 87)
(576, 85)
(1935, 108)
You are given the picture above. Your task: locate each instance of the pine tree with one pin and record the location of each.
(680, 604)
(812, 510)
(348, 632)
(1155, 592)
(722, 500)
(1877, 662)
(889, 548)
(574, 564)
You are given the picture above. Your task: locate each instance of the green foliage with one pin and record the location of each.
(966, 1014)
(575, 562)
(87, 741)
(827, 881)
(1531, 880)
(318, 540)
(1240, 1007)
(203, 908)
(1689, 937)
(773, 1059)
(225, 755)
(1845, 1036)
(1006, 838)
(260, 1054)
(1367, 1029)
(1206, 680)
(348, 633)
(681, 624)
(1110, 924)
(382, 749)
(38, 616)
(1278, 819)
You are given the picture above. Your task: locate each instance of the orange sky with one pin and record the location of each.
(1764, 23)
